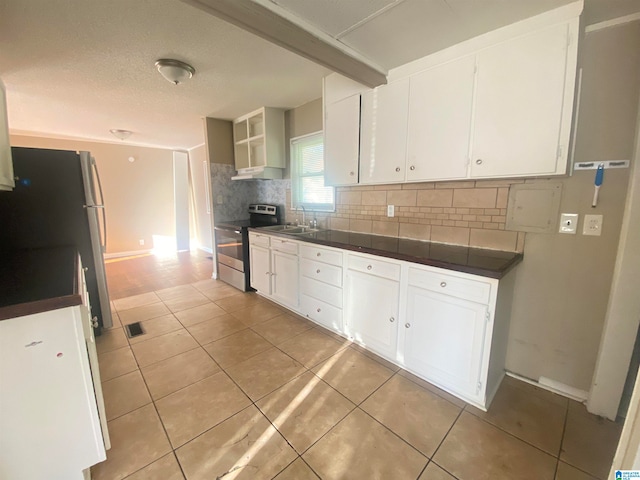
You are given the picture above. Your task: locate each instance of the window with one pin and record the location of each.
(307, 174)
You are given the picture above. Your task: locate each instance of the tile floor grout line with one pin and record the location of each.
(423, 469)
(508, 433)
(444, 469)
(394, 433)
(433, 455)
(172, 356)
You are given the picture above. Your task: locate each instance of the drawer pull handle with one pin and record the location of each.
(407, 325)
(397, 169)
(318, 310)
(369, 267)
(351, 174)
(479, 161)
(267, 273)
(443, 284)
(412, 167)
(318, 254)
(392, 319)
(318, 271)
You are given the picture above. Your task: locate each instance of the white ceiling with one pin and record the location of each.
(81, 67)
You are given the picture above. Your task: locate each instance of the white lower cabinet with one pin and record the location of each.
(321, 297)
(284, 278)
(52, 417)
(372, 303)
(443, 340)
(274, 268)
(260, 259)
(447, 327)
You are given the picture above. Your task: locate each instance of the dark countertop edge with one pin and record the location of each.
(39, 306)
(483, 272)
(47, 304)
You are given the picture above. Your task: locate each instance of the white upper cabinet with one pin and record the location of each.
(259, 139)
(341, 103)
(524, 96)
(341, 141)
(440, 108)
(383, 133)
(6, 163)
(496, 106)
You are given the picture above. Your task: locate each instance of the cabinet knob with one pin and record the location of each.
(392, 319)
(318, 310)
(318, 254)
(352, 173)
(94, 322)
(407, 325)
(267, 273)
(369, 267)
(397, 169)
(85, 269)
(412, 167)
(479, 161)
(443, 284)
(318, 271)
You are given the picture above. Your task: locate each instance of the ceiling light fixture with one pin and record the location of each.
(175, 71)
(121, 134)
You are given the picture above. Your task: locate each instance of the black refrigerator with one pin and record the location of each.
(57, 201)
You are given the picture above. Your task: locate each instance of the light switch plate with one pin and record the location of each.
(592, 225)
(568, 223)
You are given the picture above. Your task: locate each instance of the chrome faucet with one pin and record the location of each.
(303, 215)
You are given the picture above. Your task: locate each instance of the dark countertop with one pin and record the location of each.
(38, 280)
(476, 261)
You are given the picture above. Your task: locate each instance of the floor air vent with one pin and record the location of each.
(134, 330)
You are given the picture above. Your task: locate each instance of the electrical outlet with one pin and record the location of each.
(391, 210)
(568, 223)
(141, 241)
(592, 225)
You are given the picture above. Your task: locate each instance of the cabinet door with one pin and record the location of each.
(371, 311)
(440, 106)
(519, 105)
(443, 340)
(48, 402)
(383, 133)
(260, 269)
(6, 163)
(284, 278)
(342, 141)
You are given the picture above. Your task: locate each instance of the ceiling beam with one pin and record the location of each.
(285, 30)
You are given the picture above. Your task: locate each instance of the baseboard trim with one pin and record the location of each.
(125, 254)
(554, 387)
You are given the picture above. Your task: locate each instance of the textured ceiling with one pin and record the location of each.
(81, 67)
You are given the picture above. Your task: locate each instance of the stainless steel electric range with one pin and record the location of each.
(232, 244)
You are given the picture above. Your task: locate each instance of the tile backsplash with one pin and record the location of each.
(469, 213)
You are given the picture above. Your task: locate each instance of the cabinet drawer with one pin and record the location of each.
(284, 245)
(319, 290)
(321, 312)
(332, 257)
(472, 290)
(259, 239)
(322, 272)
(374, 266)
